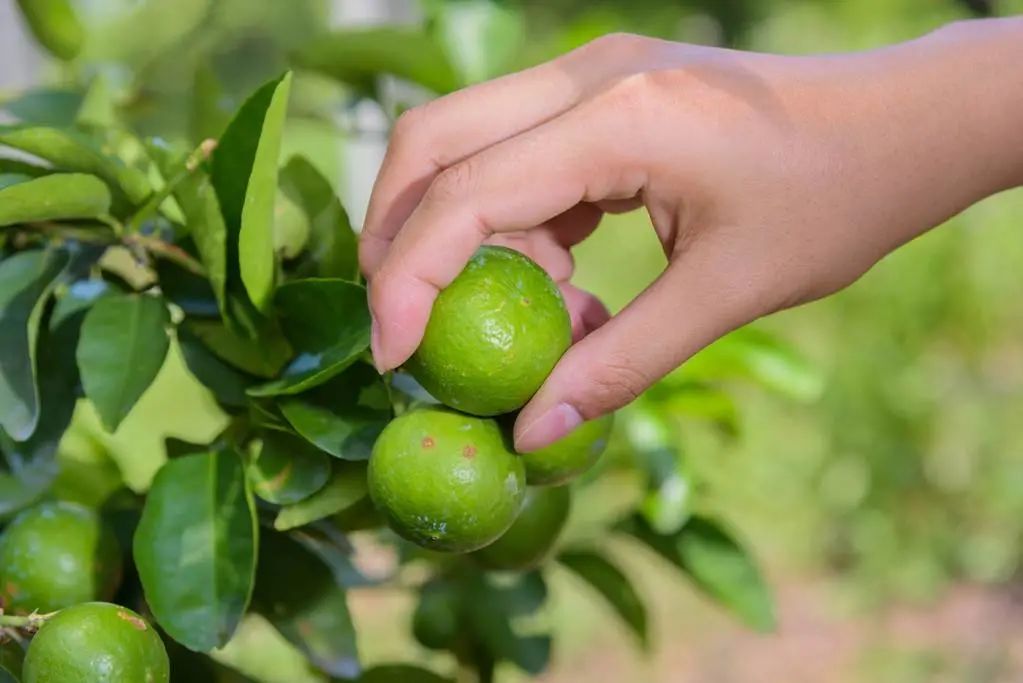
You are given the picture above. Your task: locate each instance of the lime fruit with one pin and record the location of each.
(494, 334)
(55, 555)
(446, 480)
(96, 642)
(532, 536)
(571, 455)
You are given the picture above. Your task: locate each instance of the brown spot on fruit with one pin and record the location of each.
(135, 621)
(428, 442)
(469, 451)
(525, 301)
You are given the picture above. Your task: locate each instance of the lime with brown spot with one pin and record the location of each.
(55, 555)
(530, 539)
(494, 334)
(571, 455)
(446, 480)
(96, 642)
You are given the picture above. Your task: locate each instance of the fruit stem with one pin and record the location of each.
(29, 621)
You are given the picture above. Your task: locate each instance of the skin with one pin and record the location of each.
(770, 180)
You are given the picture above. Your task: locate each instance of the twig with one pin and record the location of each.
(166, 250)
(30, 621)
(192, 162)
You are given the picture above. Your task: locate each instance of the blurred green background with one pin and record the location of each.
(884, 490)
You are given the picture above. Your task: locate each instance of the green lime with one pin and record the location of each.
(55, 555)
(446, 480)
(570, 456)
(435, 622)
(494, 334)
(531, 537)
(96, 642)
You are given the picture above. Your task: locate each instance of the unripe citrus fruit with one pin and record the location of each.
(571, 455)
(55, 555)
(96, 642)
(532, 536)
(445, 480)
(494, 334)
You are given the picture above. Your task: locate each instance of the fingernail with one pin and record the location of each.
(374, 344)
(556, 423)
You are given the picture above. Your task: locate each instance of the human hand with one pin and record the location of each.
(770, 181)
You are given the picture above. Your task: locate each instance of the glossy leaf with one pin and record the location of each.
(188, 291)
(195, 548)
(122, 348)
(26, 280)
(347, 486)
(358, 56)
(285, 469)
(262, 357)
(306, 602)
(345, 415)
(68, 151)
(613, 585)
(227, 383)
(53, 198)
(244, 173)
(331, 249)
(201, 209)
(328, 324)
(401, 673)
(717, 564)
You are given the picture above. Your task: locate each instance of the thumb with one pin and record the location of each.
(698, 299)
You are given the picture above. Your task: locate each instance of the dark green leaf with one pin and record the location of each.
(19, 167)
(718, 565)
(611, 583)
(327, 323)
(286, 469)
(8, 179)
(492, 606)
(347, 486)
(53, 198)
(190, 292)
(26, 280)
(45, 107)
(123, 344)
(401, 673)
(70, 152)
(195, 548)
(331, 249)
(244, 173)
(304, 600)
(359, 56)
(227, 383)
(345, 415)
(263, 357)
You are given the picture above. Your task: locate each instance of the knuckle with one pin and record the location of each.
(617, 44)
(617, 383)
(454, 183)
(409, 129)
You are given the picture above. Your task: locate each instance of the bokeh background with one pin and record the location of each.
(879, 476)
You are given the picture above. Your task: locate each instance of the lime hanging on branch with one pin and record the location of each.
(494, 334)
(570, 456)
(531, 538)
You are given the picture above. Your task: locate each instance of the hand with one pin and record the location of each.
(770, 181)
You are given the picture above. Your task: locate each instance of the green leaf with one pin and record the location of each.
(55, 25)
(244, 173)
(198, 202)
(45, 107)
(401, 673)
(262, 357)
(8, 179)
(190, 292)
(328, 324)
(227, 383)
(717, 564)
(331, 249)
(285, 469)
(345, 415)
(26, 280)
(613, 585)
(122, 348)
(347, 486)
(480, 36)
(492, 607)
(195, 548)
(54, 197)
(359, 56)
(208, 117)
(70, 152)
(300, 595)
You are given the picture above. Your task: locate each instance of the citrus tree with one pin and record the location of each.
(119, 252)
